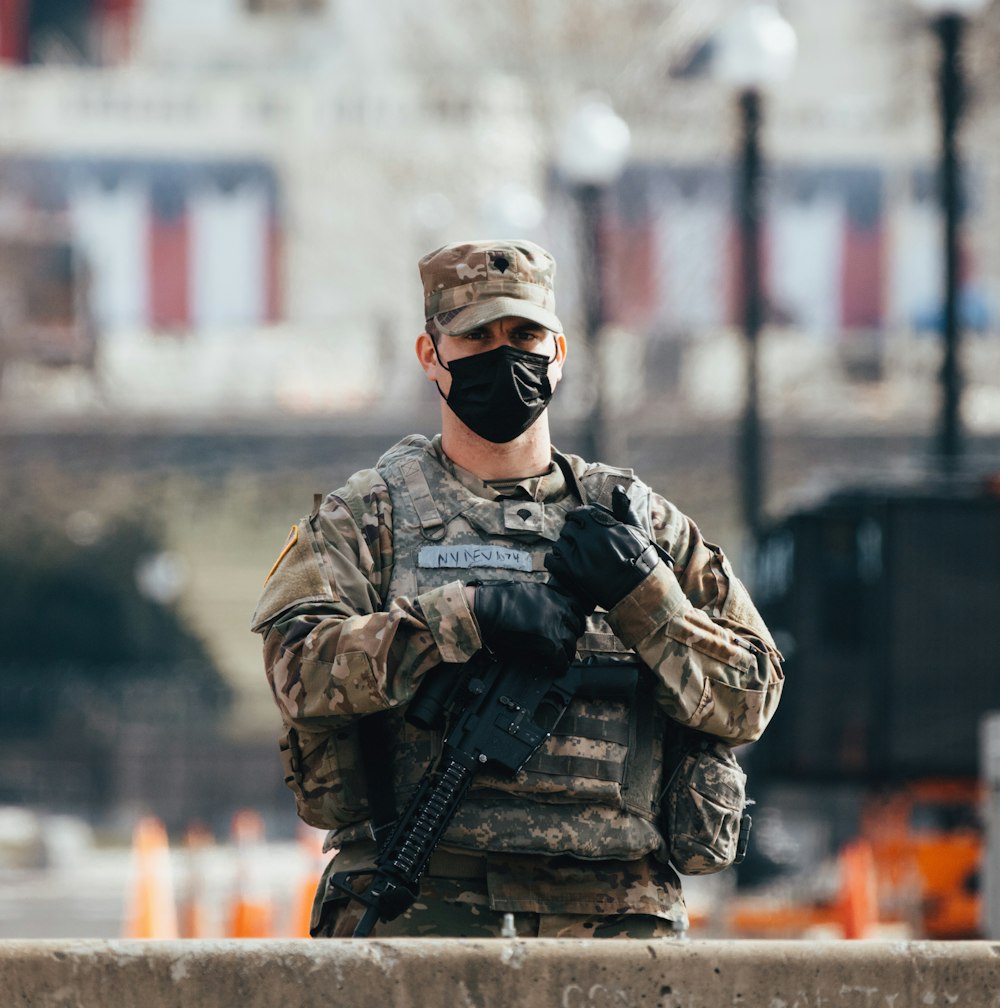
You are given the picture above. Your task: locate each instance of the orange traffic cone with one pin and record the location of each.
(251, 914)
(194, 916)
(152, 909)
(314, 861)
(857, 906)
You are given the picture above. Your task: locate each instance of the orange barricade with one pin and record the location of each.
(251, 913)
(194, 912)
(152, 907)
(314, 861)
(857, 905)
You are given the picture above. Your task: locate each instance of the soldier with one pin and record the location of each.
(486, 536)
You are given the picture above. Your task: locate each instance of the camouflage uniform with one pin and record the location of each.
(367, 598)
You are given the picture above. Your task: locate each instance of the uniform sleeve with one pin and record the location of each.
(335, 648)
(695, 626)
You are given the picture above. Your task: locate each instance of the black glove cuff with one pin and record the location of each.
(647, 560)
(665, 556)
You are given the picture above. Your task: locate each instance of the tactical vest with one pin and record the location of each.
(592, 789)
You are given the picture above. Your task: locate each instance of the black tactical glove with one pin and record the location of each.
(602, 555)
(517, 618)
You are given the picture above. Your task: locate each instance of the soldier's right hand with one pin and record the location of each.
(527, 619)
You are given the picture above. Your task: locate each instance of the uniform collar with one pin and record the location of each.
(549, 487)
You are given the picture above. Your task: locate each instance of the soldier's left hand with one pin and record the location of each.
(602, 555)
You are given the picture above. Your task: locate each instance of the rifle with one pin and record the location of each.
(497, 713)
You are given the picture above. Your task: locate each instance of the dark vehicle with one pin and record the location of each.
(884, 603)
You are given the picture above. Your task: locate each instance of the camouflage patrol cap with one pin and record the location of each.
(467, 284)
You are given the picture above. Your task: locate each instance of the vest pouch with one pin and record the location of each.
(703, 806)
(326, 775)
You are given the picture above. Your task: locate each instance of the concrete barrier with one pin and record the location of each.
(406, 973)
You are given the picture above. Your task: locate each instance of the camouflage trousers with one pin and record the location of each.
(460, 908)
(439, 918)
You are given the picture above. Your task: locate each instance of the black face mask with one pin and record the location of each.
(499, 394)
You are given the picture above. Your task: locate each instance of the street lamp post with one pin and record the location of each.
(749, 203)
(948, 19)
(593, 150)
(755, 49)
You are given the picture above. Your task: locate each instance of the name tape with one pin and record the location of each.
(474, 556)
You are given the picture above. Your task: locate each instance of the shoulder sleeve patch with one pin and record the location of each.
(293, 538)
(296, 577)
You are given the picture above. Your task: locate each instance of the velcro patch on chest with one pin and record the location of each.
(475, 555)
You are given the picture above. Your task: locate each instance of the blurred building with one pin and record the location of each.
(225, 167)
(230, 197)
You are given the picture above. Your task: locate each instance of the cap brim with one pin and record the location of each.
(481, 312)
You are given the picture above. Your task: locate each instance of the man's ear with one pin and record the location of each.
(427, 355)
(556, 366)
